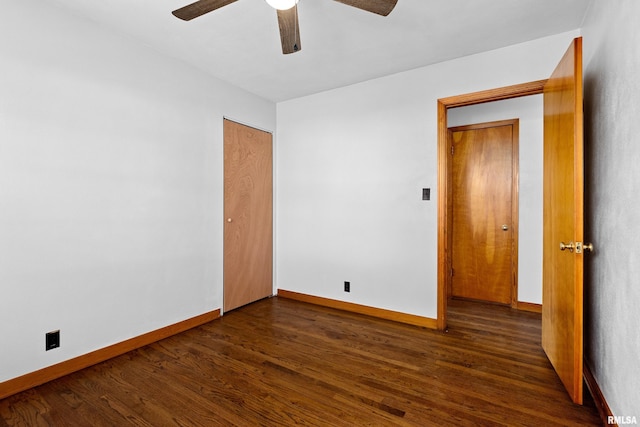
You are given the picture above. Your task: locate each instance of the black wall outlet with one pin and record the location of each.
(52, 340)
(347, 286)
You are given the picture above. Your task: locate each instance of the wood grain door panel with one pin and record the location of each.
(482, 213)
(248, 213)
(563, 189)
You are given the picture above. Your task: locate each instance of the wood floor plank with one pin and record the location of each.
(283, 362)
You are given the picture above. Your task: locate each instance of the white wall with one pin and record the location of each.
(612, 129)
(351, 164)
(110, 186)
(529, 112)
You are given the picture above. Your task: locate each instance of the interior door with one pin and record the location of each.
(563, 188)
(483, 169)
(248, 213)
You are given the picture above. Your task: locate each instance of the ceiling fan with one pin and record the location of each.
(287, 15)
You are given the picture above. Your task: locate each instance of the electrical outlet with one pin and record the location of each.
(347, 286)
(52, 340)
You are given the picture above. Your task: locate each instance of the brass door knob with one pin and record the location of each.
(568, 246)
(229, 220)
(505, 227)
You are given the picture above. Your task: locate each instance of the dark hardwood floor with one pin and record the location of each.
(282, 362)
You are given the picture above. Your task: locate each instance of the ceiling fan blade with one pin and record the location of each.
(381, 7)
(289, 30)
(199, 8)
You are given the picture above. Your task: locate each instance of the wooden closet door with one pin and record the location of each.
(484, 169)
(248, 215)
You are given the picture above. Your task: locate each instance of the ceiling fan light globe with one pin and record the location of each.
(282, 4)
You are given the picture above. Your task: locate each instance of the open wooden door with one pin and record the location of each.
(563, 248)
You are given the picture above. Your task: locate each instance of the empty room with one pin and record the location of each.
(319, 212)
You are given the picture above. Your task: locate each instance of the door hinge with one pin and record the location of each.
(452, 272)
(452, 150)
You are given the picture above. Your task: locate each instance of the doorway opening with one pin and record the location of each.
(444, 183)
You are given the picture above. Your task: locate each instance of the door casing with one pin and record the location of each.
(444, 172)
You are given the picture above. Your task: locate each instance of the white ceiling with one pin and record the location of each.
(341, 45)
